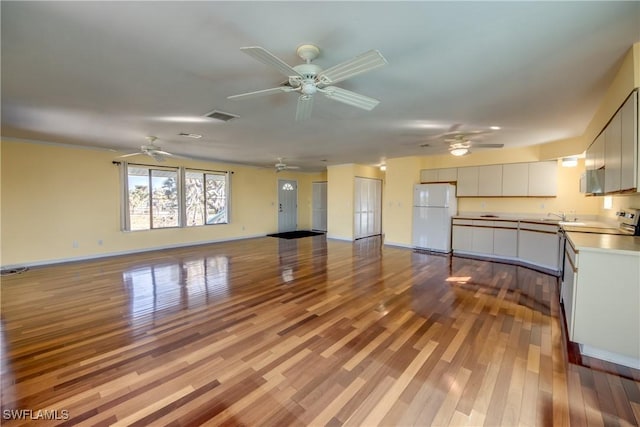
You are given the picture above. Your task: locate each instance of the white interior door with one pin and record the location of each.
(319, 212)
(367, 208)
(287, 205)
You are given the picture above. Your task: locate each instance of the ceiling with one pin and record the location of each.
(107, 74)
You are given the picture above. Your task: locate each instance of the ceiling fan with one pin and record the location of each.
(460, 142)
(309, 79)
(152, 151)
(281, 166)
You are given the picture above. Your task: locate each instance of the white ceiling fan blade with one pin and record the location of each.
(262, 92)
(360, 64)
(305, 105)
(292, 167)
(162, 153)
(348, 97)
(269, 58)
(131, 155)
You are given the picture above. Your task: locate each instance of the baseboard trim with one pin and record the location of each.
(609, 356)
(343, 239)
(398, 245)
(127, 252)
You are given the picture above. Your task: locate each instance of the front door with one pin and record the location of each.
(287, 205)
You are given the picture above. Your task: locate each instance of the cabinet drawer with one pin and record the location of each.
(462, 221)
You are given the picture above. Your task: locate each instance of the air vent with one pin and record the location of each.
(190, 135)
(221, 115)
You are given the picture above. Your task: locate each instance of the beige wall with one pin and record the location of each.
(340, 197)
(340, 193)
(400, 177)
(54, 195)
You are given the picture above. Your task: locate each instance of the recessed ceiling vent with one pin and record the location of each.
(221, 115)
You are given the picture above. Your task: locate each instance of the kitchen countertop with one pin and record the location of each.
(629, 245)
(509, 218)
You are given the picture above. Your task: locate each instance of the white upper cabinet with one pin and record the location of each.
(612, 154)
(467, 182)
(429, 175)
(543, 179)
(439, 175)
(515, 179)
(490, 180)
(628, 143)
(447, 174)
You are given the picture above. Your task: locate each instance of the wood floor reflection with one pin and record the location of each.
(297, 332)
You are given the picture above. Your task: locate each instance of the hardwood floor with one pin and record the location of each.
(296, 332)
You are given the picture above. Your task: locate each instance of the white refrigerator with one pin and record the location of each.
(433, 207)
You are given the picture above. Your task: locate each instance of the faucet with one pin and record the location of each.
(561, 215)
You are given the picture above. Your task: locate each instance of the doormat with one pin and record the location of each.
(295, 234)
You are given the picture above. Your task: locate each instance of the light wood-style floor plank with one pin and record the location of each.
(297, 332)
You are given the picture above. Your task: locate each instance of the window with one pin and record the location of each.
(152, 197)
(155, 197)
(205, 198)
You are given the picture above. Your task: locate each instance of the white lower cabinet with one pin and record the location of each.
(461, 238)
(538, 244)
(485, 237)
(532, 243)
(482, 238)
(601, 307)
(569, 283)
(505, 240)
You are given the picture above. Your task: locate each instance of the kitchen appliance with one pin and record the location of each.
(433, 207)
(629, 221)
(628, 225)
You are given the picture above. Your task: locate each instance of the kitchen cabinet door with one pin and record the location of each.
(429, 175)
(467, 182)
(461, 238)
(628, 143)
(543, 179)
(540, 249)
(482, 240)
(515, 179)
(490, 180)
(569, 284)
(505, 242)
(447, 174)
(606, 316)
(612, 154)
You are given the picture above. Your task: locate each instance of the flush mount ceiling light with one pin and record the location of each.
(459, 151)
(383, 167)
(495, 128)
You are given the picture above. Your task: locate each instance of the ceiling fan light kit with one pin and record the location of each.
(459, 151)
(309, 79)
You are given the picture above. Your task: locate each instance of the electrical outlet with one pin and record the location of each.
(541, 206)
(99, 242)
(483, 205)
(75, 244)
